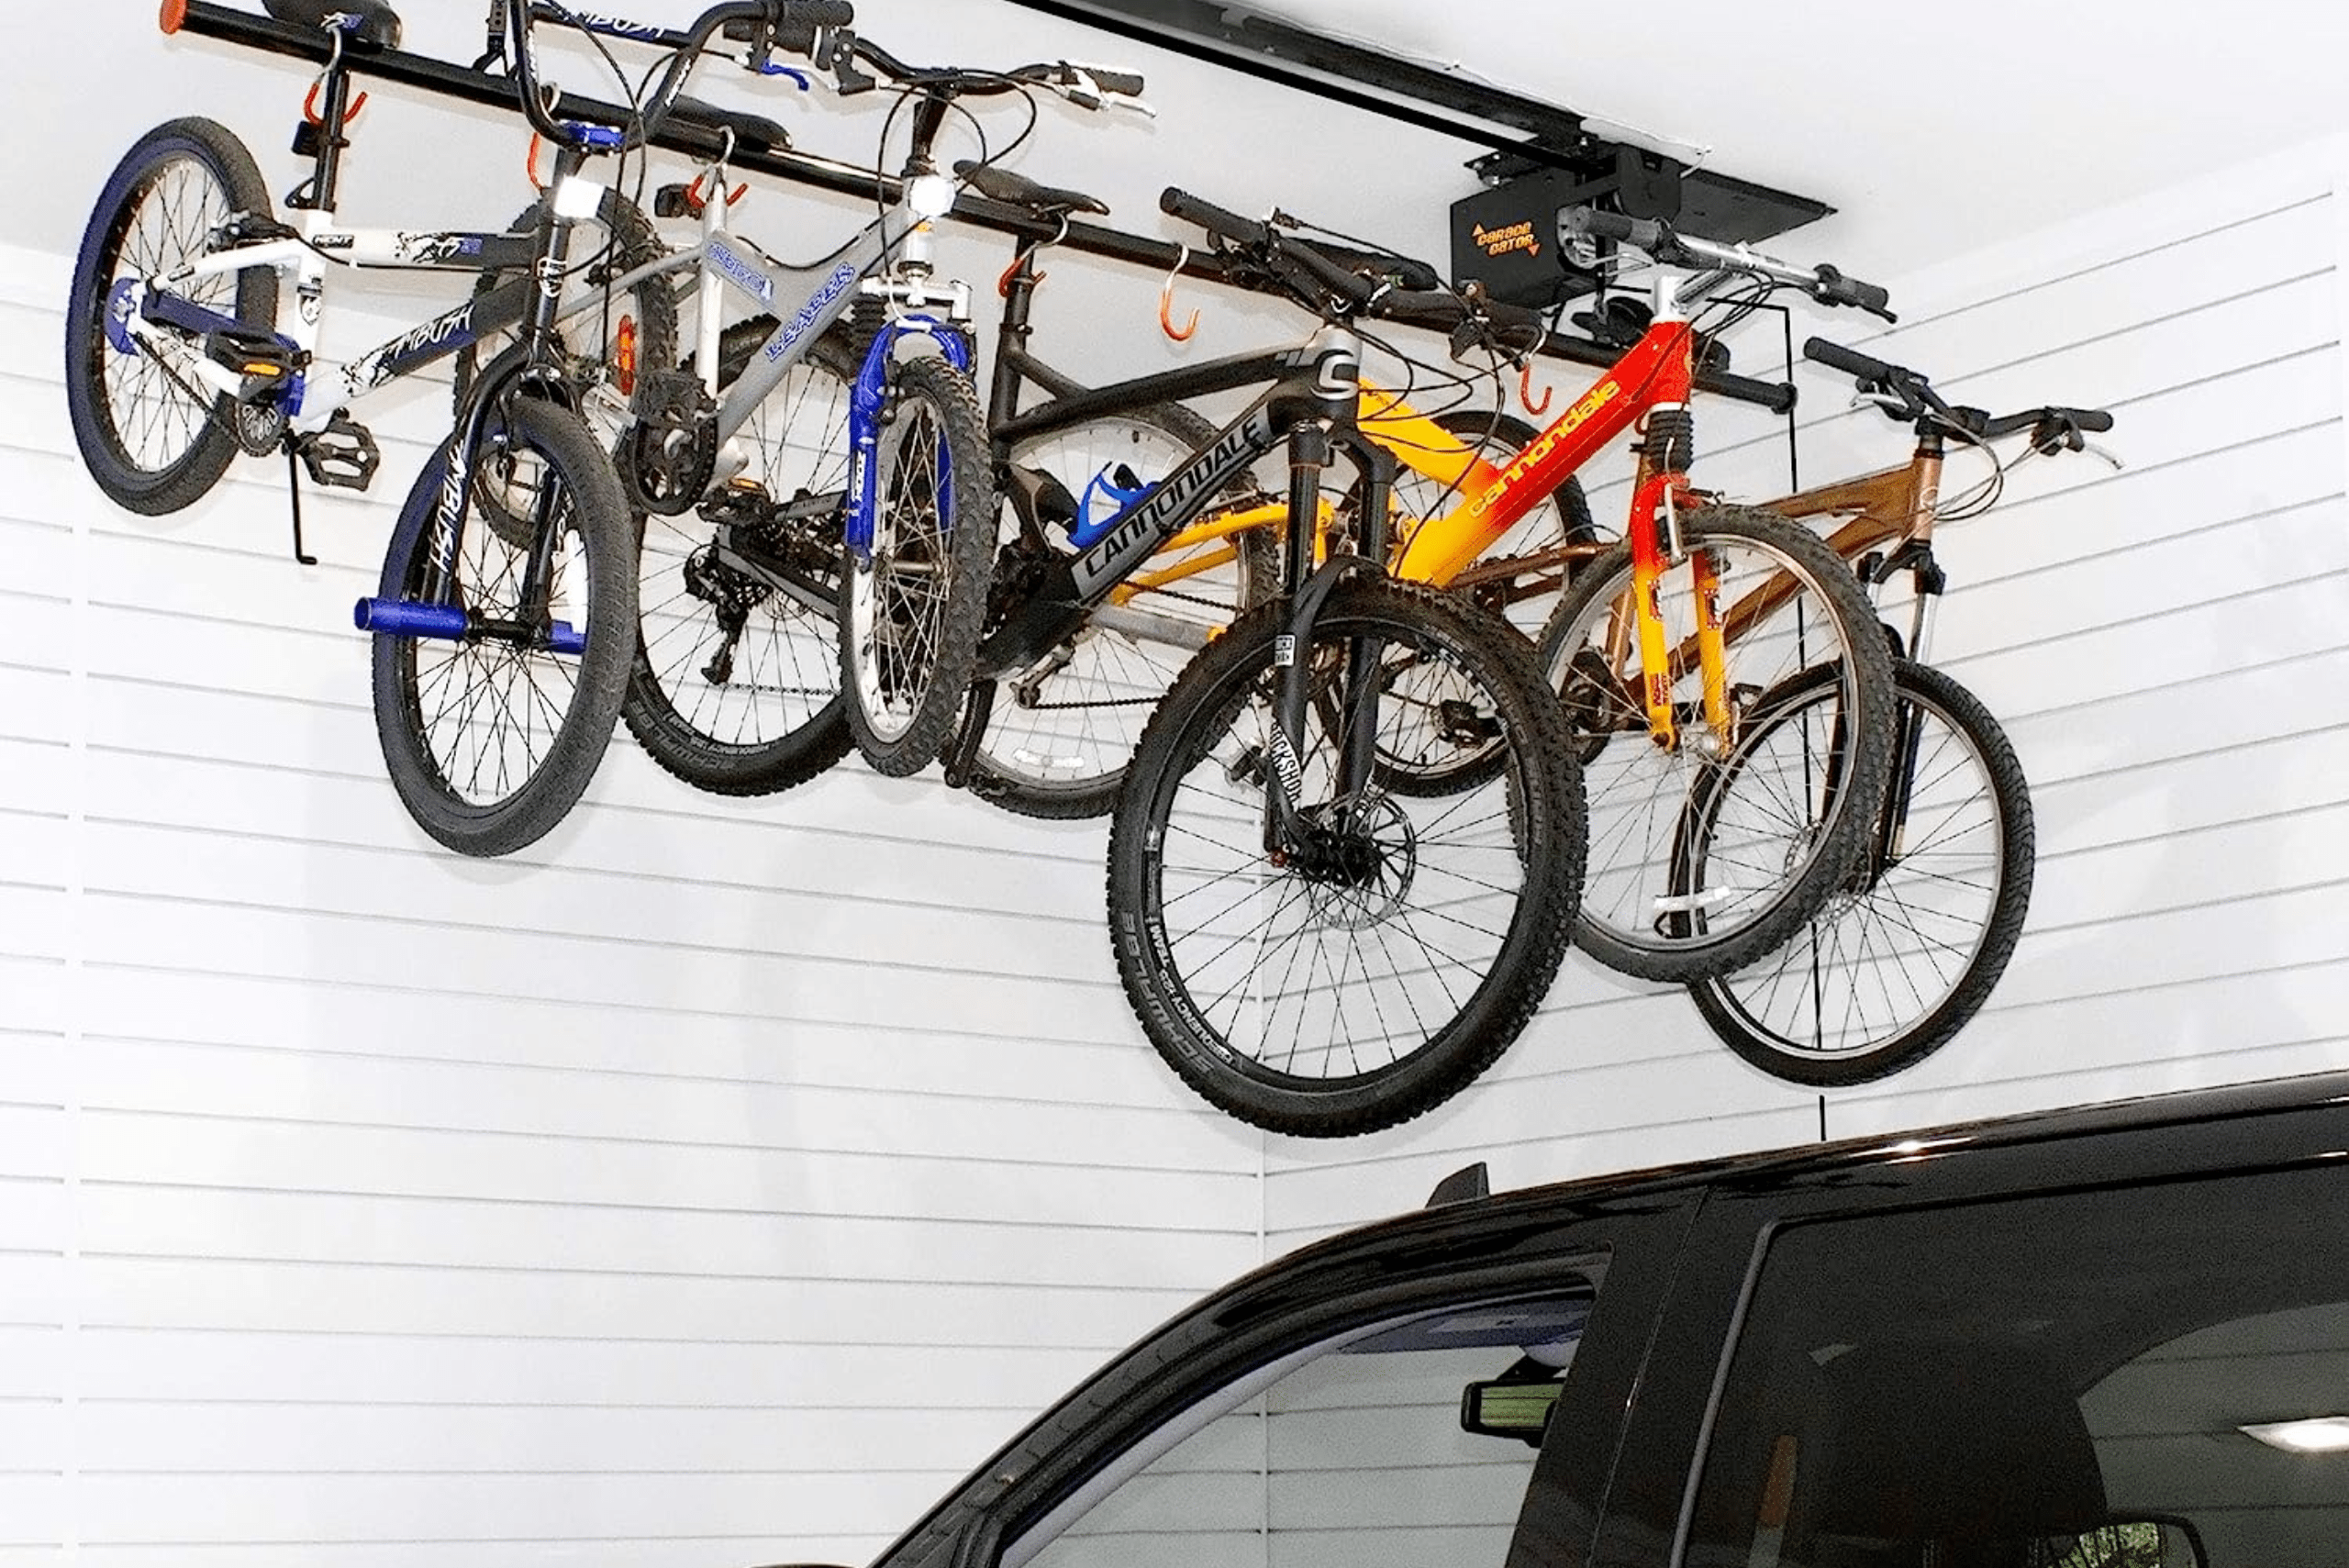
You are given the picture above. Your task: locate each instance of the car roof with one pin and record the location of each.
(2177, 1108)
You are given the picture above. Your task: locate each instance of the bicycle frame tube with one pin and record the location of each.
(723, 259)
(1319, 375)
(1894, 507)
(306, 261)
(1654, 372)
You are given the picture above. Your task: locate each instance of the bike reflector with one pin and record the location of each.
(624, 357)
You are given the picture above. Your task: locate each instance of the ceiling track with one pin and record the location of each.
(212, 19)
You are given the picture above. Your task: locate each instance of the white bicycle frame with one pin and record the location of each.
(325, 387)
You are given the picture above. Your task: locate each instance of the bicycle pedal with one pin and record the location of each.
(343, 456)
(263, 364)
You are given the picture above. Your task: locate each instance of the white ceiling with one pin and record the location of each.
(1933, 128)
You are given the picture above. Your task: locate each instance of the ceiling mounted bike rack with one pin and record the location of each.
(1546, 158)
(227, 24)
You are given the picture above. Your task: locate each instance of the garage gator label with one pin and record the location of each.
(1497, 242)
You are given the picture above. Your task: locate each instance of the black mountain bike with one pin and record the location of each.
(1349, 846)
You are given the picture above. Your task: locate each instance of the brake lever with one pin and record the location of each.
(1891, 405)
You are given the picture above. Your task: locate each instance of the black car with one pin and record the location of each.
(2110, 1338)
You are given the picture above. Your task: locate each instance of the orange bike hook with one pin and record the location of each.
(1167, 301)
(1525, 389)
(310, 107)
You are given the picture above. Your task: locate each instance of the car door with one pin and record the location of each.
(2118, 1349)
(1312, 1417)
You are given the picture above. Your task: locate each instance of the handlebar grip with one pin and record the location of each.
(1125, 83)
(1176, 202)
(1851, 361)
(1513, 317)
(2096, 422)
(1329, 271)
(1642, 232)
(795, 14)
(1439, 308)
(1837, 289)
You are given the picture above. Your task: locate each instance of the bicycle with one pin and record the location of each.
(1909, 948)
(793, 429)
(1311, 951)
(175, 363)
(1635, 916)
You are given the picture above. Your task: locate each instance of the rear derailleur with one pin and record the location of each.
(759, 548)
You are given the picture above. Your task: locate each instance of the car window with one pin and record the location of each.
(1350, 1453)
(2141, 1378)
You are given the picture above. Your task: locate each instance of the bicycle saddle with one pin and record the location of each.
(368, 24)
(1017, 190)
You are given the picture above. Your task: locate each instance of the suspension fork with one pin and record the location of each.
(1310, 447)
(1656, 545)
(1928, 581)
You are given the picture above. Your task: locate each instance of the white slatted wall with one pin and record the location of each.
(710, 1185)
(2165, 647)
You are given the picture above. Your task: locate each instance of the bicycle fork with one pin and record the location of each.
(1287, 828)
(1656, 546)
(434, 611)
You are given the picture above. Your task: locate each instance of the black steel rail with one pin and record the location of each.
(212, 19)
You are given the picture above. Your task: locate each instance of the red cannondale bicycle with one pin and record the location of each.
(1657, 687)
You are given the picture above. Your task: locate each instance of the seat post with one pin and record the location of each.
(323, 139)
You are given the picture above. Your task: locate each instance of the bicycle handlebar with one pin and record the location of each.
(1854, 363)
(1176, 202)
(2051, 426)
(794, 23)
(1822, 283)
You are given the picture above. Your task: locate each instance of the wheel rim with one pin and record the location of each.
(487, 713)
(898, 600)
(1074, 718)
(1879, 963)
(1637, 888)
(739, 663)
(1299, 975)
(165, 223)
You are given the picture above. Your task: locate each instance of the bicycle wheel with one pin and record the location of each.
(153, 437)
(735, 687)
(1790, 606)
(1373, 976)
(910, 615)
(489, 740)
(1907, 948)
(1060, 733)
(602, 350)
